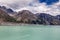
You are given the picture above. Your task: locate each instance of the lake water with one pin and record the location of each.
(30, 32)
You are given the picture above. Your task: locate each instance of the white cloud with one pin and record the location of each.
(15, 4)
(35, 8)
(43, 8)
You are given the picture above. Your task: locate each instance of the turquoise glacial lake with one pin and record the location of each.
(30, 32)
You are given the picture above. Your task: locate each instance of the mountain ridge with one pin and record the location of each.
(27, 17)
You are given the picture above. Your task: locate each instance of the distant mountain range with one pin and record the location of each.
(25, 16)
(8, 10)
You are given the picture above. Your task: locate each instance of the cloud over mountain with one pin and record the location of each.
(15, 3)
(33, 5)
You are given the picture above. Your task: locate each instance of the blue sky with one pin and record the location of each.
(36, 6)
(48, 2)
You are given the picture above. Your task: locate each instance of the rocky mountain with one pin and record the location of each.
(48, 19)
(57, 17)
(8, 10)
(4, 17)
(25, 16)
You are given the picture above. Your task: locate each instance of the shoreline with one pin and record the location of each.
(21, 24)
